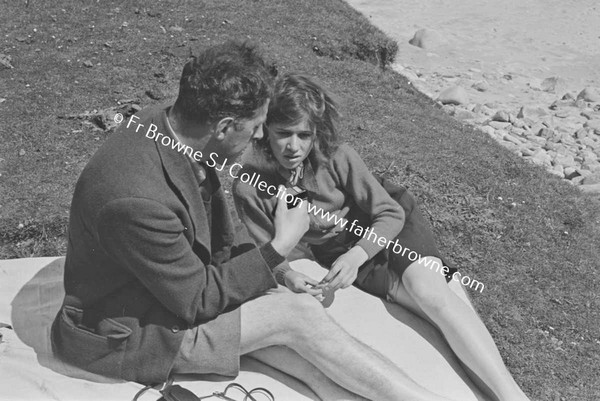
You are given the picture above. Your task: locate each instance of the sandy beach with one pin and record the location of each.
(503, 56)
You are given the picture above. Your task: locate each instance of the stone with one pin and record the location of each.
(499, 124)
(461, 114)
(591, 179)
(554, 85)
(568, 96)
(590, 114)
(570, 173)
(541, 158)
(501, 116)
(580, 103)
(513, 139)
(581, 133)
(453, 95)
(590, 189)
(487, 130)
(593, 125)
(577, 180)
(427, 39)
(564, 160)
(589, 95)
(481, 86)
(558, 170)
(531, 112)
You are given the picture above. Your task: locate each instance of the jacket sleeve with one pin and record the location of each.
(258, 219)
(147, 238)
(387, 216)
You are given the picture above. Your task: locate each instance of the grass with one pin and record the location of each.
(529, 237)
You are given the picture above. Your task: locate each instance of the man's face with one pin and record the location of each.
(240, 133)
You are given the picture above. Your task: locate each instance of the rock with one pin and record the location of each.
(427, 39)
(558, 170)
(88, 64)
(513, 139)
(577, 180)
(541, 158)
(593, 125)
(554, 85)
(589, 95)
(487, 130)
(590, 114)
(568, 96)
(546, 133)
(462, 114)
(562, 114)
(564, 160)
(581, 133)
(481, 86)
(570, 173)
(580, 103)
(22, 152)
(590, 189)
(453, 95)
(501, 116)
(531, 112)
(591, 179)
(499, 124)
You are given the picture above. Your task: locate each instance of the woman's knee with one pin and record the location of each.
(426, 285)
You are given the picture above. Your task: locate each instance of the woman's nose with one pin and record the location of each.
(293, 143)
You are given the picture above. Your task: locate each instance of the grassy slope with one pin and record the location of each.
(538, 259)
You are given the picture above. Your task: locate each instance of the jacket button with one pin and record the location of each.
(175, 329)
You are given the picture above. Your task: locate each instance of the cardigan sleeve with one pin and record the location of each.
(257, 216)
(147, 239)
(387, 216)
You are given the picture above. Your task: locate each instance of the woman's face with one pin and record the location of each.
(291, 144)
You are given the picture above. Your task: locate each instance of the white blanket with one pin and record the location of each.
(31, 292)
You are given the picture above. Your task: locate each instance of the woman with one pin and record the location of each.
(359, 226)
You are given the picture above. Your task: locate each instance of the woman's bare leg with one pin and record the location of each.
(426, 293)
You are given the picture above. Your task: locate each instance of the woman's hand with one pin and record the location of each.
(344, 270)
(299, 282)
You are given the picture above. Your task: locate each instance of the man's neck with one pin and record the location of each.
(189, 133)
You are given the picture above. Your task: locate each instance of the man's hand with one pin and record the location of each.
(299, 282)
(344, 270)
(290, 225)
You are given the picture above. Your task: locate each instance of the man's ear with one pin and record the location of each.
(222, 127)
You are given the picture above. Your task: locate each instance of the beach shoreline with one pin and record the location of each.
(515, 71)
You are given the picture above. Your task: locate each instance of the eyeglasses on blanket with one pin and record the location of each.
(171, 392)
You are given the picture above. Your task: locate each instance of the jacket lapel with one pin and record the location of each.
(179, 172)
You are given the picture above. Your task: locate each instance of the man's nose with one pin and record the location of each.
(259, 134)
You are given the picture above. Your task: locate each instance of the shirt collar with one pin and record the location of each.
(197, 167)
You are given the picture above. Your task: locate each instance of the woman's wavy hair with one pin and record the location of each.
(298, 96)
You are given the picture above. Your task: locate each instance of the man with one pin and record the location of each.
(157, 282)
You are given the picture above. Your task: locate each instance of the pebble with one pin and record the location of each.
(453, 95)
(593, 125)
(591, 179)
(501, 116)
(554, 85)
(589, 95)
(531, 112)
(427, 39)
(481, 86)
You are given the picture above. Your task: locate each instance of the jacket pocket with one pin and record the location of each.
(99, 350)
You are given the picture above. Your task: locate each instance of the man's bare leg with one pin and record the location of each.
(288, 361)
(299, 322)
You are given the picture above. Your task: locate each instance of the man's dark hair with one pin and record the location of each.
(226, 80)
